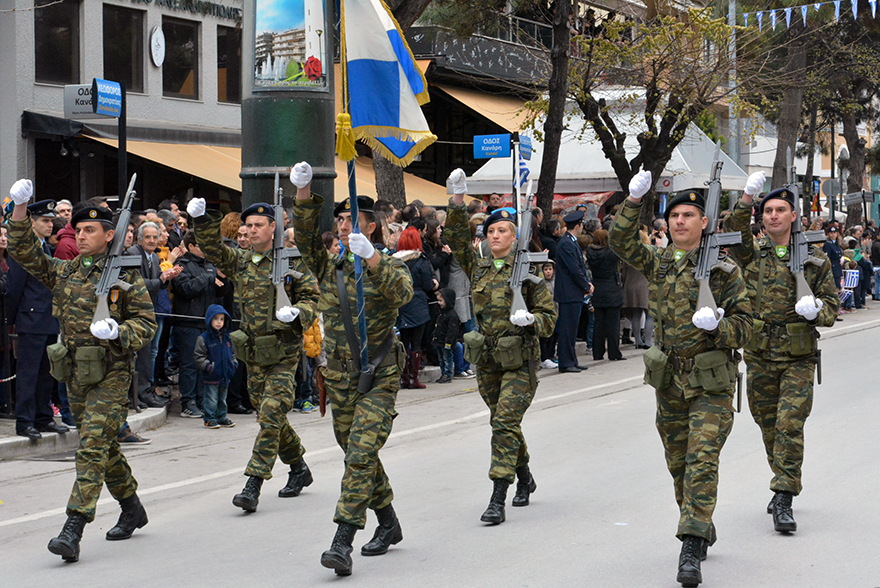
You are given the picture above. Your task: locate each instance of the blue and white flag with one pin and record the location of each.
(523, 173)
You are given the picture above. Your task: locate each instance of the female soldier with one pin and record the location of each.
(505, 348)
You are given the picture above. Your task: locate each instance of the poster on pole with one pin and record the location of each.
(290, 45)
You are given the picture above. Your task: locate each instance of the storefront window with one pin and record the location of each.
(124, 46)
(180, 71)
(229, 64)
(56, 41)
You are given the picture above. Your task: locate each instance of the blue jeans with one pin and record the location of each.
(877, 283)
(214, 401)
(461, 364)
(184, 339)
(446, 361)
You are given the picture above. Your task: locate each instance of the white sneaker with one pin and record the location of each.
(465, 374)
(549, 364)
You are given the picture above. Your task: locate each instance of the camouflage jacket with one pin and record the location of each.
(387, 287)
(73, 295)
(674, 289)
(490, 290)
(254, 290)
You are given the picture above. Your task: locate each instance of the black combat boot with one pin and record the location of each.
(134, 516)
(525, 485)
(494, 513)
(249, 498)
(772, 503)
(783, 518)
(689, 574)
(707, 544)
(66, 544)
(299, 477)
(388, 533)
(338, 557)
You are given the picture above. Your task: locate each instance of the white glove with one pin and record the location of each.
(360, 245)
(522, 318)
(640, 184)
(105, 329)
(301, 174)
(196, 207)
(705, 319)
(287, 314)
(755, 183)
(458, 180)
(808, 307)
(21, 191)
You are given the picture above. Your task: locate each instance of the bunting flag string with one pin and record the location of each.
(788, 18)
(873, 4)
(804, 13)
(773, 19)
(836, 10)
(759, 16)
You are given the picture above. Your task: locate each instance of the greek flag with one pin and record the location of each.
(851, 278)
(523, 173)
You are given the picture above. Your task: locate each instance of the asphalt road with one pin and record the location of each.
(604, 513)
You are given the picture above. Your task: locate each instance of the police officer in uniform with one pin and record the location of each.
(571, 286)
(269, 341)
(781, 355)
(94, 359)
(505, 349)
(692, 366)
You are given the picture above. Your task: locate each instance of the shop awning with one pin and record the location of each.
(416, 188)
(505, 111)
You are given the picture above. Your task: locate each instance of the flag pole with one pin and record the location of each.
(358, 268)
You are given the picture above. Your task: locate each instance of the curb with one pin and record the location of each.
(21, 447)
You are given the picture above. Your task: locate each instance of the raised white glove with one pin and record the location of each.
(21, 191)
(301, 174)
(360, 245)
(755, 183)
(808, 307)
(287, 314)
(196, 207)
(105, 329)
(522, 318)
(640, 184)
(705, 319)
(458, 179)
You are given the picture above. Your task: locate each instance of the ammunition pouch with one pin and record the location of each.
(476, 348)
(268, 350)
(802, 339)
(60, 362)
(509, 352)
(713, 371)
(91, 364)
(240, 345)
(759, 340)
(658, 372)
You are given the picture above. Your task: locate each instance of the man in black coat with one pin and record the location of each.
(571, 286)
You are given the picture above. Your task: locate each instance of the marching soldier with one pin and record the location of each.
(692, 366)
(781, 355)
(269, 342)
(506, 348)
(362, 405)
(94, 359)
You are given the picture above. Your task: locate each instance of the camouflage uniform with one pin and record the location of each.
(270, 387)
(507, 393)
(361, 422)
(780, 386)
(99, 410)
(693, 423)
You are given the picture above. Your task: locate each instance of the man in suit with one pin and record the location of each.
(571, 286)
(30, 303)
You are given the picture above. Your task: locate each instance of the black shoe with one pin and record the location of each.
(525, 485)
(783, 518)
(338, 557)
(388, 533)
(443, 380)
(239, 409)
(66, 544)
(689, 574)
(299, 477)
(570, 370)
(249, 498)
(53, 427)
(134, 516)
(772, 503)
(494, 513)
(30, 432)
(151, 400)
(621, 358)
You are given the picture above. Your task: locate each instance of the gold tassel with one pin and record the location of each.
(344, 137)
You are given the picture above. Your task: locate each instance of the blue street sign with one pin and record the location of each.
(106, 97)
(488, 146)
(525, 147)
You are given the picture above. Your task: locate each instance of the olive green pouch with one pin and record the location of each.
(712, 371)
(91, 364)
(475, 348)
(267, 350)
(658, 372)
(60, 362)
(758, 341)
(509, 352)
(239, 344)
(801, 339)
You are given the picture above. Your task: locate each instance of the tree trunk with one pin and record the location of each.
(407, 12)
(789, 114)
(808, 175)
(389, 181)
(855, 180)
(558, 89)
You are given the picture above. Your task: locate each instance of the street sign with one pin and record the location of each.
(78, 101)
(525, 147)
(489, 146)
(831, 187)
(106, 97)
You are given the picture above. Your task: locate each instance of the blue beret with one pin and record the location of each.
(259, 209)
(93, 213)
(691, 197)
(779, 194)
(365, 204)
(502, 214)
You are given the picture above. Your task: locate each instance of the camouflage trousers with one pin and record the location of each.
(271, 390)
(780, 399)
(508, 394)
(99, 412)
(362, 424)
(694, 425)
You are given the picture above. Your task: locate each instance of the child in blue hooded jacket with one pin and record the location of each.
(214, 358)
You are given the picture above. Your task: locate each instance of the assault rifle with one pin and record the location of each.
(524, 258)
(281, 255)
(712, 240)
(115, 258)
(800, 239)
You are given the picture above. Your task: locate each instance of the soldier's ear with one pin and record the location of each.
(108, 235)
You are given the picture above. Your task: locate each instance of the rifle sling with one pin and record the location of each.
(761, 267)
